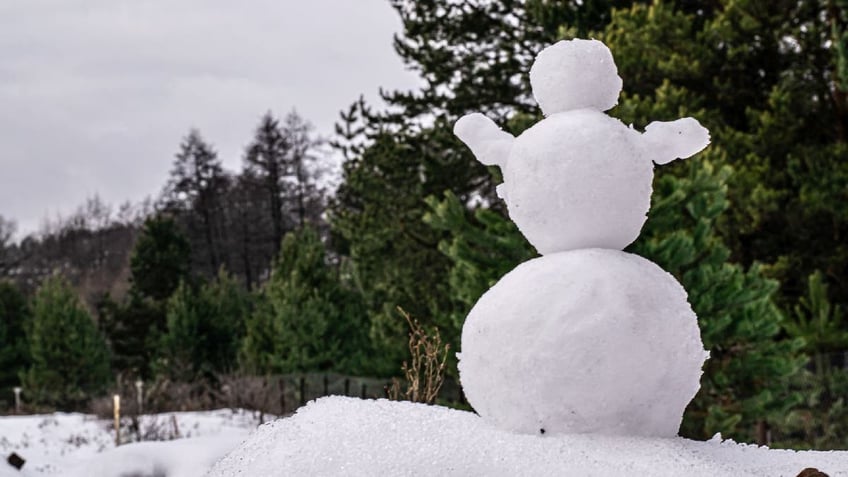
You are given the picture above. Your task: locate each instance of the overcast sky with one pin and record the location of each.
(95, 95)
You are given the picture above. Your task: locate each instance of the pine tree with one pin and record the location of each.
(745, 385)
(70, 359)
(305, 320)
(160, 258)
(204, 329)
(820, 421)
(195, 194)
(267, 161)
(14, 348)
(377, 215)
(483, 246)
(472, 56)
(131, 329)
(159, 262)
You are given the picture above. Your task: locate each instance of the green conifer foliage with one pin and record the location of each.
(819, 422)
(204, 329)
(161, 258)
(305, 320)
(70, 359)
(159, 262)
(483, 246)
(746, 380)
(14, 349)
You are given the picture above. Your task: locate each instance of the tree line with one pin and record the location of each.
(265, 269)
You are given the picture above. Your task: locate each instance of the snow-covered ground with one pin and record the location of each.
(352, 437)
(64, 444)
(348, 436)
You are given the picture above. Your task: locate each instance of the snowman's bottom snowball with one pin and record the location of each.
(584, 341)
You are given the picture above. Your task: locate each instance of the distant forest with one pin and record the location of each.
(231, 220)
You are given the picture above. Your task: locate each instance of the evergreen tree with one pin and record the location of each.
(472, 56)
(160, 258)
(70, 359)
(204, 329)
(377, 216)
(159, 262)
(745, 386)
(14, 348)
(132, 329)
(267, 161)
(252, 255)
(195, 194)
(482, 245)
(305, 320)
(820, 421)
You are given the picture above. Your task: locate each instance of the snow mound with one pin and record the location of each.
(600, 341)
(353, 437)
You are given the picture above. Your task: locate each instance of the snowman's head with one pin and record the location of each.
(575, 74)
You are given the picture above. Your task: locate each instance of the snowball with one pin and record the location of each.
(578, 180)
(575, 74)
(586, 341)
(354, 437)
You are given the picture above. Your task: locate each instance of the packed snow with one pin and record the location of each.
(353, 437)
(80, 445)
(578, 178)
(576, 74)
(591, 340)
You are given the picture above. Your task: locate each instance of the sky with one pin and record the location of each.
(95, 95)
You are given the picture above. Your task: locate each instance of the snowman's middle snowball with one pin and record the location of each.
(577, 180)
(589, 340)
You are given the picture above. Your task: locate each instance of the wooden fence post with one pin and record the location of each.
(116, 404)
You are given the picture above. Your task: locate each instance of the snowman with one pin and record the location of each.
(586, 338)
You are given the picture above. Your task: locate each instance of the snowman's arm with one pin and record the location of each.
(678, 139)
(489, 143)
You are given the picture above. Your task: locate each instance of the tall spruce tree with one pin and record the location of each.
(70, 359)
(161, 258)
(305, 319)
(159, 262)
(205, 326)
(194, 194)
(267, 160)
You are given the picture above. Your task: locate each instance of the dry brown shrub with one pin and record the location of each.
(425, 374)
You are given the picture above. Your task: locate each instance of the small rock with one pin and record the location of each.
(16, 461)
